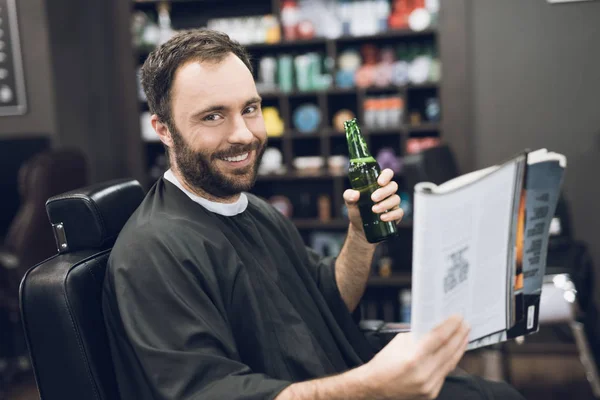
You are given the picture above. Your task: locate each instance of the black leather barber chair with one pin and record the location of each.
(61, 298)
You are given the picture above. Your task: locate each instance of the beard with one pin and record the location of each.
(200, 171)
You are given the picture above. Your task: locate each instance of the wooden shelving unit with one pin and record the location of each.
(313, 223)
(304, 189)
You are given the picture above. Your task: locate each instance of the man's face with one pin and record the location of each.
(220, 134)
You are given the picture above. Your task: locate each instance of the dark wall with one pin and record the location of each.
(80, 81)
(23, 136)
(39, 119)
(94, 77)
(536, 83)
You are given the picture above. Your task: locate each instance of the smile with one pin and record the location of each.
(239, 158)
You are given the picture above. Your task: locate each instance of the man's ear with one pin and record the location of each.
(162, 131)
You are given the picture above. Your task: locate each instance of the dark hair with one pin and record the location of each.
(159, 68)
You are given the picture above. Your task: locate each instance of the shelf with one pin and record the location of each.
(391, 34)
(314, 223)
(293, 175)
(387, 131)
(424, 127)
(393, 281)
(352, 90)
(286, 44)
(310, 223)
(307, 135)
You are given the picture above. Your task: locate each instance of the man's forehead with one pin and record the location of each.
(214, 81)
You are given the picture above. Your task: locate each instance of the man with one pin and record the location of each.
(211, 293)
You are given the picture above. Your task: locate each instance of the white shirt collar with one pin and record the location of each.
(225, 209)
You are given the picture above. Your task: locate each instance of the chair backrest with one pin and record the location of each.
(436, 165)
(61, 298)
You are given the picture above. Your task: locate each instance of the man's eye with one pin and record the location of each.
(212, 117)
(250, 109)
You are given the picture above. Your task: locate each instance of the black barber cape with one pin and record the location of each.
(204, 306)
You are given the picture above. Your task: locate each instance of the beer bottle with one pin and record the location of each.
(363, 174)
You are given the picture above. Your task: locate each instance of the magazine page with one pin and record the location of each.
(462, 253)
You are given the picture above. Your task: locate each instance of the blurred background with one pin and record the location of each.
(440, 88)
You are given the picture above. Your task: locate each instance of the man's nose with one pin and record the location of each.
(240, 133)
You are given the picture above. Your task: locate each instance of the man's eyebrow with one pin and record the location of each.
(256, 99)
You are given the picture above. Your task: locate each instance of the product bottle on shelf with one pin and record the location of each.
(363, 173)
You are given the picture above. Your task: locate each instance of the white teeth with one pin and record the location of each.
(241, 157)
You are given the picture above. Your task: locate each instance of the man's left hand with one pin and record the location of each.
(386, 201)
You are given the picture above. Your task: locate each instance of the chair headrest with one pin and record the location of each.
(92, 217)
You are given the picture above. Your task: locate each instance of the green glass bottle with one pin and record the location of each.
(363, 174)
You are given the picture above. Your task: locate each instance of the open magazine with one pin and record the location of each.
(480, 246)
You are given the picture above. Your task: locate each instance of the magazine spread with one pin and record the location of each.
(480, 244)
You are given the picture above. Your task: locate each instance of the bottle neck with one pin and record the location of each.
(357, 147)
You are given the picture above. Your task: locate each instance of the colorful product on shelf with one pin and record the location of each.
(418, 72)
(399, 66)
(413, 14)
(308, 164)
(400, 73)
(340, 117)
(306, 30)
(290, 17)
(338, 164)
(282, 204)
(387, 158)
(273, 122)
(385, 68)
(433, 109)
(307, 118)
(285, 73)
(406, 206)
(140, 90)
(419, 19)
(324, 207)
(405, 300)
(415, 118)
(383, 112)
(398, 19)
(349, 62)
(267, 76)
(145, 32)
(165, 29)
(148, 132)
(366, 73)
(271, 162)
(303, 72)
(248, 30)
(416, 145)
(309, 74)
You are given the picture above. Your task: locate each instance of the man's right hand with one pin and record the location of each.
(405, 369)
(402, 370)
